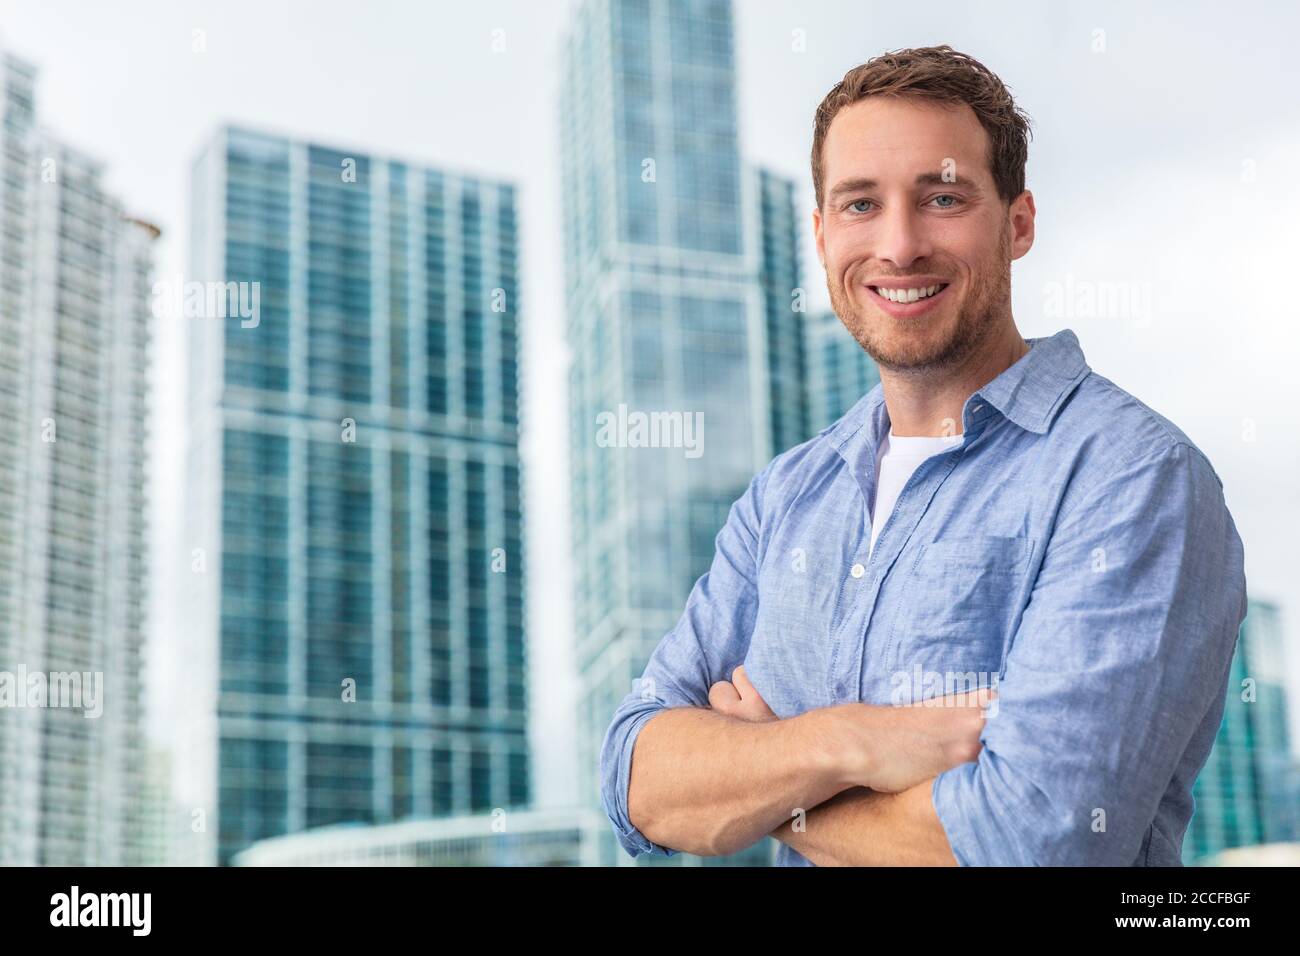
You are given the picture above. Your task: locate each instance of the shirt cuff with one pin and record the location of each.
(629, 837)
(946, 793)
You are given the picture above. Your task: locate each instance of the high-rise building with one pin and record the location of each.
(774, 232)
(75, 282)
(680, 273)
(1242, 793)
(356, 478)
(1284, 799)
(156, 809)
(837, 370)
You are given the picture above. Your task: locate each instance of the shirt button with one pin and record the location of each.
(858, 570)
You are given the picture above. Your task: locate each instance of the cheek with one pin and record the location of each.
(844, 254)
(831, 246)
(839, 232)
(971, 238)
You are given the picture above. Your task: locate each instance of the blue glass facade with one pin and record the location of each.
(356, 479)
(680, 265)
(838, 371)
(1243, 791)
(776, 233)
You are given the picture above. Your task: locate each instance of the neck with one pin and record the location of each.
(929, 403)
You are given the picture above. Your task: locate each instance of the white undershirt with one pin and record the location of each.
(897, 459)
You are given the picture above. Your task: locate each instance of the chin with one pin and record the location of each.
(916, 344)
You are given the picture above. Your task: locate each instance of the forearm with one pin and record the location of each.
(861, 827)
(709, 784)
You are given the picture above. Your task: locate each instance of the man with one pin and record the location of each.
(995, 528)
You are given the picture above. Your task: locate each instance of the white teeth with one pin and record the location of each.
(908, 295)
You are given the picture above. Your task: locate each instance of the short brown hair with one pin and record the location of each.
(941, 74)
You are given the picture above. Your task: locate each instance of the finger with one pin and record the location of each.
(724, 697)
(743, 684)
(750, 698)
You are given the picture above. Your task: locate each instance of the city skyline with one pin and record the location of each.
(1217, 435)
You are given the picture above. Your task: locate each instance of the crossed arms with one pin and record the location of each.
(1111, 691)
(712, 781)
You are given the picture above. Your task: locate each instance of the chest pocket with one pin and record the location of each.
(957, 606)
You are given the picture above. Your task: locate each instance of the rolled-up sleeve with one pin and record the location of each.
(1120, 656)
(708, 642)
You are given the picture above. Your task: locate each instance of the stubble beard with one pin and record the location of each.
(988, 299)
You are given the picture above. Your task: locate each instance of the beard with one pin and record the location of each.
(925, 344)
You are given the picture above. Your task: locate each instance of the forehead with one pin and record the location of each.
(884, 136)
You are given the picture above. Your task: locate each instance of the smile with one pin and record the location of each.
(907, 301)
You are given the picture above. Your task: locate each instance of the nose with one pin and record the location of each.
(901, 237)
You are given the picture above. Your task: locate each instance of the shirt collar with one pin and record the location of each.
(1032, 390)
(1029, 393)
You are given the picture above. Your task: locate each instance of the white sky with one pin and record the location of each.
(1136, 166)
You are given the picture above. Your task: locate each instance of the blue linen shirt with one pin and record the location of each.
(1074, 550)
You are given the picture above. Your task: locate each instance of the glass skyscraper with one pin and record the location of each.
(356, 513)
(1242, 790)
(774, 230)
(680, 274)
(75, 326)
(838, 371)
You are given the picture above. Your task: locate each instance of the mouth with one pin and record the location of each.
(907, 302)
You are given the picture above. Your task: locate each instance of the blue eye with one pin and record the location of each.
(954, 201)
(859, 202)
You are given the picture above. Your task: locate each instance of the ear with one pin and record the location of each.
(1021, 217)
(820, 240)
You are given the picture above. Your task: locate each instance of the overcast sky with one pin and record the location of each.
(1163, 160)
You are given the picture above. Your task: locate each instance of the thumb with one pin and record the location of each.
(722, 695)
(743, 684)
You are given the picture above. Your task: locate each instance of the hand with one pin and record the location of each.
(739, 698)
(894, 748)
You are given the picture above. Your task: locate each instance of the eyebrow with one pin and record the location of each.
(924, 179)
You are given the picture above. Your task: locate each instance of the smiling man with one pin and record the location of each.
(985, 618)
